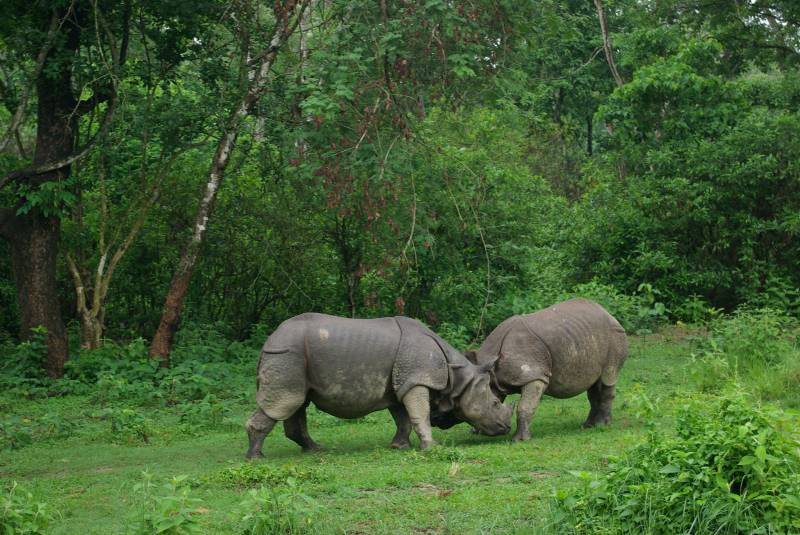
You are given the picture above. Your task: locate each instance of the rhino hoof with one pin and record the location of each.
(313, 448)
(520, 437)
(252, 456)
(426, 444)
(400, 445)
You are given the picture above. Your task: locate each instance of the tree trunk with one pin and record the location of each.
(161, 346)
(34, 236)
(91, 331)
(34, 250)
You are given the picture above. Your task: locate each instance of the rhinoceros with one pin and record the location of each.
(352, 367)
(571, 347)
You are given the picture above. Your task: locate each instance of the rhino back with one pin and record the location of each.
(580, 335)
(350, 363)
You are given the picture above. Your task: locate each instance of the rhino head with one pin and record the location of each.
(472, 400)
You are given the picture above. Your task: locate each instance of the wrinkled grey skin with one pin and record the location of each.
(571, 347)
(350, 368)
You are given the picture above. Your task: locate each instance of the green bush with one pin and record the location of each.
(281, 510)
(17, 431)
(206, 413)
(755, 347)
(24, 365)
(171, 511)
(127, 426)
(731, 468)
(21, 514)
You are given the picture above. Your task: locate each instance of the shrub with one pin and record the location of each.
(732, 468)
(279, 510)
(21, 514)
(171, 512)
(17, 432)
(755, 347)
(24, 366)
(207, 413)
(127, 425)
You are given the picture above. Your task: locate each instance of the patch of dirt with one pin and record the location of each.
(104, 469)
(434, 490)
(541, 474)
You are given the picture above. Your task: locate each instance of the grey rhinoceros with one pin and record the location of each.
(571, 347)
(349, 368)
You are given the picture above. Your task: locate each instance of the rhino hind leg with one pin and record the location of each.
(401, 437)
(601, 398)
(296, 428)
(417, 404)
(528, 403)
(258, 427)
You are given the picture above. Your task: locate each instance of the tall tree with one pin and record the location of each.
(32, 225)
(287, 16)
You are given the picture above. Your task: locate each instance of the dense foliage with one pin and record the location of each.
(731, 468)
(453, 162)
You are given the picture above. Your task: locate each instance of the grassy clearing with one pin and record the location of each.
(469, 484)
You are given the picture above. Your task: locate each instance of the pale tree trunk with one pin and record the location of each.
(609, 51)
(612, 65)
(287, 16)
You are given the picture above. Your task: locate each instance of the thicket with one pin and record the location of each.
(731, 467)
(458, 187)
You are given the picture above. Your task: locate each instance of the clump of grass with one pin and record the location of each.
(755, 347)
(249, 475)
(282, 510)
(732, 468)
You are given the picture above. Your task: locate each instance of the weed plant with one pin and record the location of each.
(21, 514)
(281, 510)
(167, 509)
(731, 468)
(756, 348)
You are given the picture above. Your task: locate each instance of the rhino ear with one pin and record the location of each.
(472, 356)
(487, 366)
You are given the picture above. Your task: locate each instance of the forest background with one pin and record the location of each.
(177, 178)
(455, 162)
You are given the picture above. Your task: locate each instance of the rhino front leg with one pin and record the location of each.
(417, 404)
(296, 428)
(601, 398)
(403, 422)
(528, 403)
(258, 427)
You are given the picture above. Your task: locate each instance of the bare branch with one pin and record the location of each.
(601, 14)
(34, 170)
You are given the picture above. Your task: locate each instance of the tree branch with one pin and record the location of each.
(607, 43)
(34, 170)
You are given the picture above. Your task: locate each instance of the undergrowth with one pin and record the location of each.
(731, 467)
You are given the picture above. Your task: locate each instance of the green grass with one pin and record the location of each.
(469, 484)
